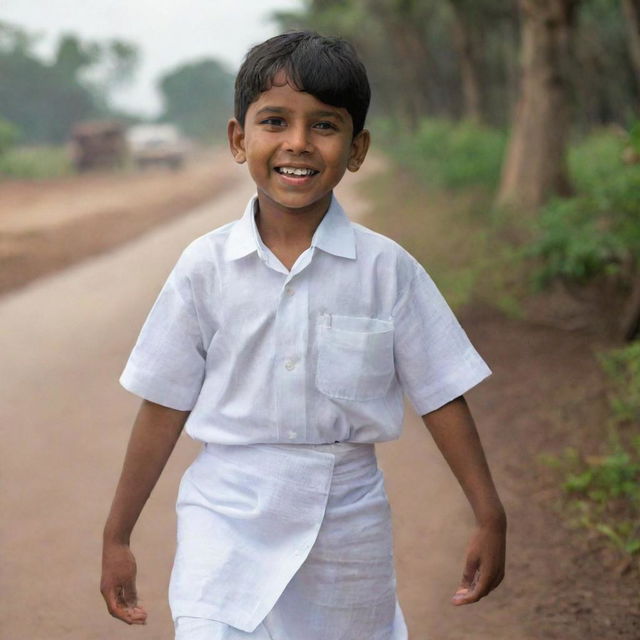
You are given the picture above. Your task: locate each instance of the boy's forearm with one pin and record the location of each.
(153, 437)
(454, 432)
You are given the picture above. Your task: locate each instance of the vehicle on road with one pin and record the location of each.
(157, 144)
(98, 144)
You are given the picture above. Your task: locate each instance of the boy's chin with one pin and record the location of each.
(295, 204)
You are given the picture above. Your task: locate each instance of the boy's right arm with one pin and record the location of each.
(153, 437)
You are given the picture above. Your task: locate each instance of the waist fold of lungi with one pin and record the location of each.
(247, 518)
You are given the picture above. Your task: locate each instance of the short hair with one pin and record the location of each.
(326, 67)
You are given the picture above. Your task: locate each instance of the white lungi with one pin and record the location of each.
(285, 542)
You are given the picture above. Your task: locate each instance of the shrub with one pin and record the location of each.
(603, 492)
(622, 368)
(8, 135)
(447, 154)
(35, 163)
(597, 232)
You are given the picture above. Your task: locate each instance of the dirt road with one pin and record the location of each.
(47, 225)
(65, 421)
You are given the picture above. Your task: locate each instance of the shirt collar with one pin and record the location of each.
(334, 234)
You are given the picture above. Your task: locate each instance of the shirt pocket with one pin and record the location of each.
(355, 357)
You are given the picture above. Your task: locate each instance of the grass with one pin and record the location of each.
(596, 233)
(602, 492)
(35, 163)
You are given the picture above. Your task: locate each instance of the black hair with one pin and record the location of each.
(326, 67)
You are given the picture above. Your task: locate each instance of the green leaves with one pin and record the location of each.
(596, 232)
(448, 154)
(603, 493)
(198, 97)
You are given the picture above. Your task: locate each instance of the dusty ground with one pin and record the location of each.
(48, 225)
(64, 424)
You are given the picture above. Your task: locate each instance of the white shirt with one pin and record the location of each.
(318, 354)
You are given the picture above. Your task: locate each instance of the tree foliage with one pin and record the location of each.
(460, 58)
(43, 100)
(198, 97)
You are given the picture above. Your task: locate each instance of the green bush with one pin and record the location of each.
(603, 492)
(596, 232)
(35, 163)
(8, 135)
(622, 368)
(445, 153)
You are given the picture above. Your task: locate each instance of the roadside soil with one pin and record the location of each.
(546, 393)
(46, 225)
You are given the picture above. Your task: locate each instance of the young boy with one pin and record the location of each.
(285, 341)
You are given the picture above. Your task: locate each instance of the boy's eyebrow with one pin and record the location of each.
(315, 114)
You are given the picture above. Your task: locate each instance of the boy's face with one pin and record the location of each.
(297, 148)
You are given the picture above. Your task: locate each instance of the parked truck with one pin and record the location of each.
(98, 144)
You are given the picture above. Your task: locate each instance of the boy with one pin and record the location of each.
(285, 342)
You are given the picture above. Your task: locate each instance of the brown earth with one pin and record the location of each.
(64, 425)
(47, 225)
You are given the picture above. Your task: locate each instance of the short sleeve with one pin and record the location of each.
(435, 359)
(167, 364)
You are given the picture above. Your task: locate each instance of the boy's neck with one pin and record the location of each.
(281, 227)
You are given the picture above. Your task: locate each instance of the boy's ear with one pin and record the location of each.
(359, 148)
(235, 134)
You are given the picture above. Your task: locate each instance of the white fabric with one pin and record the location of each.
(281, 533)
(284, 542)
(315, 355)
(203, 629)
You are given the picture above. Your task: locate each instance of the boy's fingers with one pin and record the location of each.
(115, 605)
(119, 608)
(484, 586)
(470, 573)
(129, 594)
(497, 581)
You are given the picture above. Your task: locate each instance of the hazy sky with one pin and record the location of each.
(167, 32)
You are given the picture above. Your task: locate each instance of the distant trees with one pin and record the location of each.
(544, 68)
(199, 98)
(43, 100)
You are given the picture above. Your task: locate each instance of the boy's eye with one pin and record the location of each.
(325, 125)
(273, 122)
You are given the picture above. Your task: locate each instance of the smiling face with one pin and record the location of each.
(297, 149)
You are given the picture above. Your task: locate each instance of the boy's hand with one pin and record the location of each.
(484, 568)
(118, 584)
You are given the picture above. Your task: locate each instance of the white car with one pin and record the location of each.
(157, 144)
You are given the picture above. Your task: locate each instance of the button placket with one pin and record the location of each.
(292, 330)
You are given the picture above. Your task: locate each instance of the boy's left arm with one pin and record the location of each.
(455, 434)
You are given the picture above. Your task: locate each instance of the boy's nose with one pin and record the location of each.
(298, 140)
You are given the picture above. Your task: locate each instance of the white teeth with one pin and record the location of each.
(294, 171)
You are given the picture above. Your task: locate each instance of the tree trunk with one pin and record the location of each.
(631, 11)
(630, 326)
(466, 47)
(535, 162)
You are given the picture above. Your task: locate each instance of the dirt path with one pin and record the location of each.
(65, 421)
(47, 225)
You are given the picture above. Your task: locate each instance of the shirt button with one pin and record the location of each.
(289, 365)
(289, 291)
